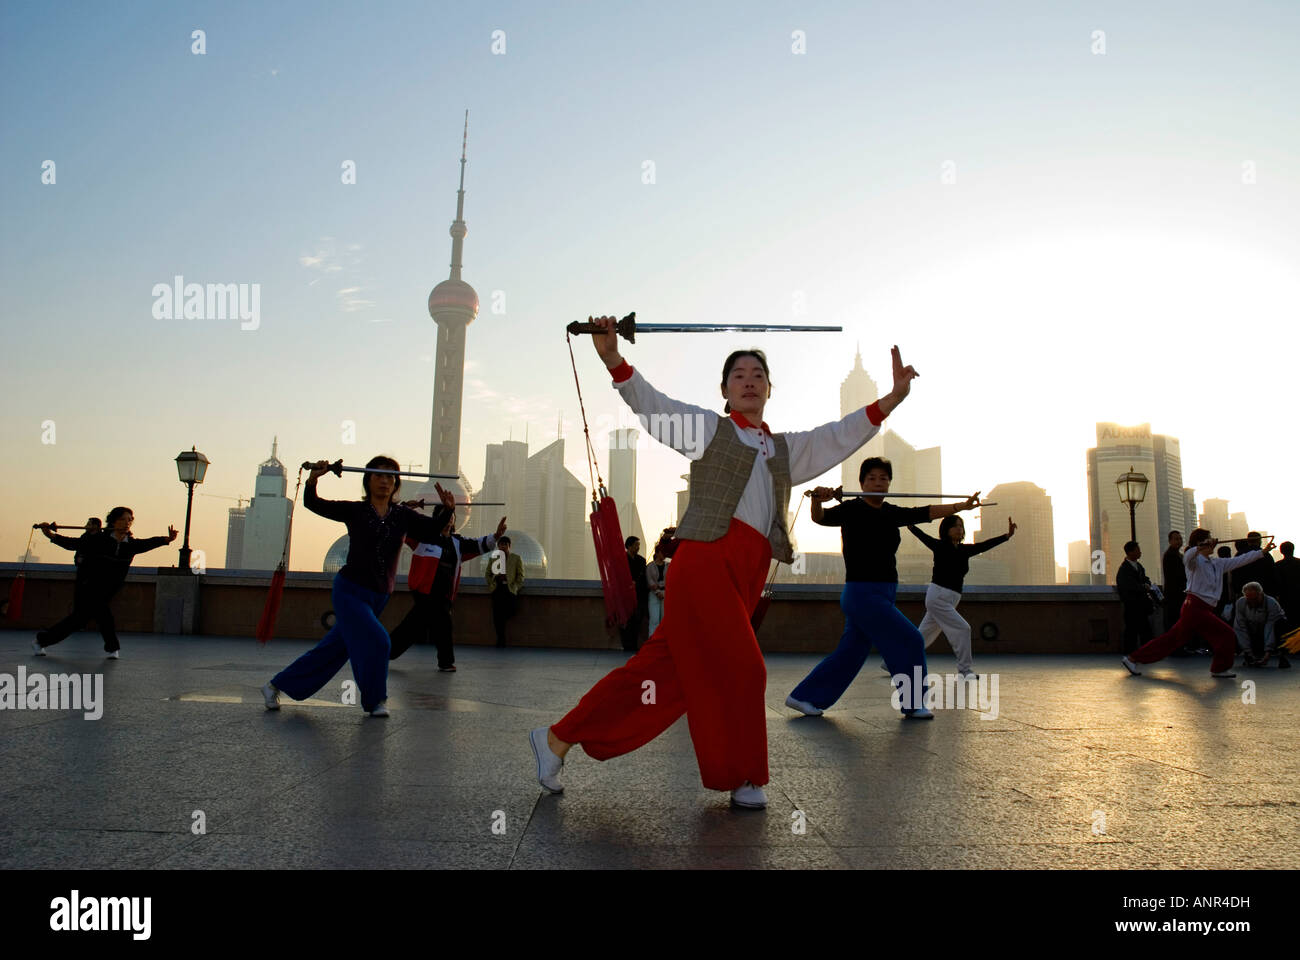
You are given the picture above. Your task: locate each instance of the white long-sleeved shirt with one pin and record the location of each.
(1205, 574)
(689, 429)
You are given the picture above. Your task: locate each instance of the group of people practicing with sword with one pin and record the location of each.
(703, 660)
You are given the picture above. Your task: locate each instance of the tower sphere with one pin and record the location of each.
(453, 295)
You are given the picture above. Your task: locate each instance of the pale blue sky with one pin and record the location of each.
(1098, 243)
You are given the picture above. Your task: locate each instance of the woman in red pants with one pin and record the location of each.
(703, 659)
(1197, 619)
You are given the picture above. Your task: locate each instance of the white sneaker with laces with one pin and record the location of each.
(749, 796)
(272, 697)
(549, 763)
(803, 706)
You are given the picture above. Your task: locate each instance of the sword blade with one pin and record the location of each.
(732, 327)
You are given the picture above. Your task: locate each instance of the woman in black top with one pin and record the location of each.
(103, 558)
(376, 527)
(951, 564)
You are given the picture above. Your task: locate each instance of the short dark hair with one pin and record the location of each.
(383, 463)
(506, 540)
(1198, 537)
(629, 541)
(94, 522)
(872, 463)
(731, 362)
(1253, 535)
(1172, 534)
(1225, 551)
(115, 513)
(1130, 546)
(1287, 548)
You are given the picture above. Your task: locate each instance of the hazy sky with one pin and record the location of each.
(1100, 255)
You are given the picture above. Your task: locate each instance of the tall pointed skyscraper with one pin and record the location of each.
(858, 390)
(453, 304)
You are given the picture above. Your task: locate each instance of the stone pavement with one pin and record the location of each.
(1083, 767)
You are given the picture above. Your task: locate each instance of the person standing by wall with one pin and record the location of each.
(505, 578)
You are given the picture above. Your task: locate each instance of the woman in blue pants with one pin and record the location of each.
(869, 534)
(376, 527)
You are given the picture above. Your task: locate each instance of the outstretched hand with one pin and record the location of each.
(171, 534)
(446, 496)
(903, 375)
(822, 494)
(320, 468)
(606, 343)
(501, 529)
(1011, 528)
(971, 502)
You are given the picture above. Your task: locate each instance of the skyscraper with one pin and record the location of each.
(453, 304)
(235, 537)
(505, 469)
(1168, 483)
(267, 520)
(1030, 556)
(1189, 512)
(1214, 517)
(1079, 563)
(1119, 449)
(622, 482)
(555, 513)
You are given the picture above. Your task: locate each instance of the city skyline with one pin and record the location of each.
(1046, 254)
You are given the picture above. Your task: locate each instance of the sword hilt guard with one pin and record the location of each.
(335, 468)
(626, 327)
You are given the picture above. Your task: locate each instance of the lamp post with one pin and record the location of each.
(191, 465)
(1132, 490)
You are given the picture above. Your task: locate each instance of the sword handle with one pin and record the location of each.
(626, 327)
(335, 468)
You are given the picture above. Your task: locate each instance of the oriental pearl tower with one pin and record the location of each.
(453, 304)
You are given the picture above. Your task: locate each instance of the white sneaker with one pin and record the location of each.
(272, 697)
(380, 711)
(115, 655)
(548, 763)
(749, 796)
(38, 650)
(920, 713)
(1131, 667)
(803, 706)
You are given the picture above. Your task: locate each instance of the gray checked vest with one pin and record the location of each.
(718, 480)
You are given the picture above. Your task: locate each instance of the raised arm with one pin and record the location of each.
(153, 543)
(938, 510)
(684, 427)
(971, 549)
(67, 543)
(924, 537)
(329, 509)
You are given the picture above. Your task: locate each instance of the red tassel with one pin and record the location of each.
(270, 612)
(611, 558)
(15, 609)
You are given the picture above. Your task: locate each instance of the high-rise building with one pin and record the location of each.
(1030, 556)
(1168, 484)
(269, 513)
(622, 483)
(1237, 526)
(505, 480)
(555, 513)
(235, 537)
(1118, 450)
(1189, 512)
(1214, 517)
(858, 390)
(1079, 563)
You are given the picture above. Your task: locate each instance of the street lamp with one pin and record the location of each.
(1132, 490)
(191, 465)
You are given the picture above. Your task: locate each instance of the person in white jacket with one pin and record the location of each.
(1197, 619)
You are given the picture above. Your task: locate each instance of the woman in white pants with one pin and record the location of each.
(951, 564)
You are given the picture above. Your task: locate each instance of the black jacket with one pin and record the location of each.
(1132, 585)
